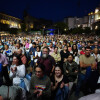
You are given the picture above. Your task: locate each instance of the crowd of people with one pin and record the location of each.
(50, 67)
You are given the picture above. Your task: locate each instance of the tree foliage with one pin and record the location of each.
(80, 30)
(4, 27)
(13, 30)
(61, 26)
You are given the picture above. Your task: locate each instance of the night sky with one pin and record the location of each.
(49, 9)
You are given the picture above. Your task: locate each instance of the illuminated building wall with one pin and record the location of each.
(94, 17)
(13, 22)
(74, 22)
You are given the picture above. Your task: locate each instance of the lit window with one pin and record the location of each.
(19, 26)
(31, 26)
(7, 22)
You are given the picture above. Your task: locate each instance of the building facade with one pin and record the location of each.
(11, 21)
(74, 22)
(94, 17)
(86, 21)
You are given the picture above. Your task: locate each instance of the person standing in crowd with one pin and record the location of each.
(30, 43)
(59, 45)
(64, 43)
(22, 56)
(96, 55)
(74, 50)
(32, 54)
(95, 45)
(87, 63)
(51, 48)
(64, 54)
(4, 70)
(27, 48)
(82, 45)
(56, 55)
(40, 84)
(18, 46)
(82, 52)
(69, 47)
(38, 54)
(47, 60)
(1, 47)
(8, 53)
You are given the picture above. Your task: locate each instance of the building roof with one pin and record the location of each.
(9, 16)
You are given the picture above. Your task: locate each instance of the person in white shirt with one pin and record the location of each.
(17, 70)
(17, 73)
(38, 54)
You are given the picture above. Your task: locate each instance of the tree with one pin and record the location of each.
(13, 30)
(23, 27)
(4, 27)
(77, 30)
(62, 27)
(87, 30)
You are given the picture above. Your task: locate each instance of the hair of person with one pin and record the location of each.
(6, 45)
(94, 49)
(95, 41)
(19, 59)
(73, 47)
(34, 43)
(51, 43)
(55, 47)
(46, 47)
(41, 66)
(71, 55)
(88, 47)
(65, 41)
(21, 44)
(65, 46)
(61, 68)
(69, 44)
(88, 41)
(38, 46)
(18, 43)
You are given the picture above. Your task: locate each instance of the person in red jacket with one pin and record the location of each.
(83, 51)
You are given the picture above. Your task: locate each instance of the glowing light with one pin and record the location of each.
(78, 25)
(96, 10)
(19, 26)
(7, 22)
(43, 26)
(91, 13)
(65, 29)
(51, 29)
(96, 27)
(51, 33)
(31, 26)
